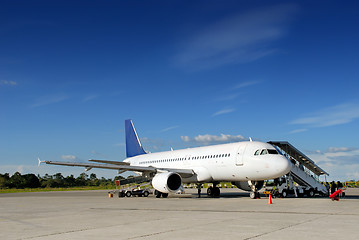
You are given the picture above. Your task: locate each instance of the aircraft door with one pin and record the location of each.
(240, 154)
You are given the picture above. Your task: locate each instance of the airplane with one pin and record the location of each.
(246, 164)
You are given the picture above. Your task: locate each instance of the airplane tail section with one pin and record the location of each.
(133, 144)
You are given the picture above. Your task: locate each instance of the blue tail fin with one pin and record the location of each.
(133, 144)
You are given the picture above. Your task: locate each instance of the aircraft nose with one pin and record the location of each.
(283, 165)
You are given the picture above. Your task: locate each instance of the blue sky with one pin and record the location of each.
(189, 73)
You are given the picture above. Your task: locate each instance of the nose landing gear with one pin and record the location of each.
(254, 194)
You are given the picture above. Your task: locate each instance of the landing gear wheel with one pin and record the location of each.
(210, 191)
(128, 194)
(216, 192)
(158, 194)
(284, 194)
(164, 195)
(252, 195)
(311, 193)
(258, 195)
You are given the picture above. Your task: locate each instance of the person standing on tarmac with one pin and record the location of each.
(340, 186)
(327, 186)
(333, 187)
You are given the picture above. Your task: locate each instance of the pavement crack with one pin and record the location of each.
(227, 211)
(175, 230)
(282, 228)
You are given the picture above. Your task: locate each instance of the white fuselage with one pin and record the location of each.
(241, 161)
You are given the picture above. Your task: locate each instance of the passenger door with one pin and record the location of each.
(240, 154)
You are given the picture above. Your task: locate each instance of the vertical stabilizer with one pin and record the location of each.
(133, 144)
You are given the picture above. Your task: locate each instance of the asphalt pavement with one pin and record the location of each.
(93, 215)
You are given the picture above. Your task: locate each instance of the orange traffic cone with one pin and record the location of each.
(270, 199)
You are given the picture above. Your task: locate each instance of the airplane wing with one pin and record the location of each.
(110, 162)
(124, 167)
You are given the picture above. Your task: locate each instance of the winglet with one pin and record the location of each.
(38, 165)
(133, 144)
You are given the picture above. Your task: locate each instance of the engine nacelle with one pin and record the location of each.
(246, 187)
(167, 182)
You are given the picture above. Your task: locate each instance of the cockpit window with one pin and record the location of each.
(272, 151)
(265, 151)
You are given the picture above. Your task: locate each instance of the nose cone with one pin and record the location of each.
(282, 166)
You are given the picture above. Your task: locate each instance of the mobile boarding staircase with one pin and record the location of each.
(305, 172)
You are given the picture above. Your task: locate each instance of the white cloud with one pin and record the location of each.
(238, 39)
(298, 130)
(185, 138)
(120, 144)
(227, 97)
(339, 149)
(335, 115)
(208, 139)
(169, 128)
(342, 163)
(90, 97)
(47, 100)
(246, 84)
(236, 90)
(9, 83)
(20, 169)
(53, 169)
(68, 157)
(223, 111)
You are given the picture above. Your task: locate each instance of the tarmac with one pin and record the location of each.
(93, 215)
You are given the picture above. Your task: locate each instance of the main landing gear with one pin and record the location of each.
(158, 194)
(213, 191)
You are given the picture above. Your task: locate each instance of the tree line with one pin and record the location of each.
(19, 181)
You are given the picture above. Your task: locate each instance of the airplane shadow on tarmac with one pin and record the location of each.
(223, 195)
(246, 195)
(351, 197)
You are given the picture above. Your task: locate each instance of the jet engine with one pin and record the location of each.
(167, 182)
(246, 187)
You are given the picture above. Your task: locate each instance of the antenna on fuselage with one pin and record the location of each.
(250, 139)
